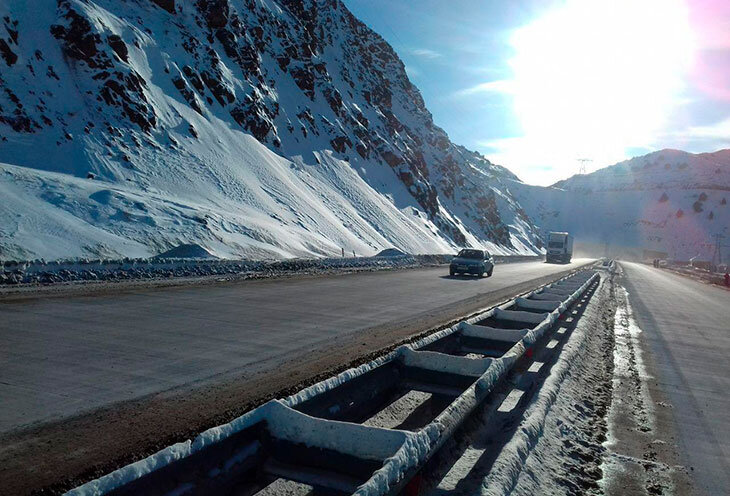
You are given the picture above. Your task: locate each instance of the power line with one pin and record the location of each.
(582, 168)
(718, 249)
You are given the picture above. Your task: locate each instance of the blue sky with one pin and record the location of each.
(537, 85)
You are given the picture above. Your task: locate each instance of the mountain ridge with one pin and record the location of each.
(254, 128)
(667, 201)
(718, 158)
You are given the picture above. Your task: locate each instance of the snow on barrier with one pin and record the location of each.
(339, 434)
(537, 304)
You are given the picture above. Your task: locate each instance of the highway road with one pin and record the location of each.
(686, 330)
(61, 356)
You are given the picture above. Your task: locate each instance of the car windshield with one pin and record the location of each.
(478, 254)
(556, 244)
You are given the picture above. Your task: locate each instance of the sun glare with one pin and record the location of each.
(595, 77)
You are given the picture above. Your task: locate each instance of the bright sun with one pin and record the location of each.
(595, 77)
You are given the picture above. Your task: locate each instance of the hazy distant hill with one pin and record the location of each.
(668, 200)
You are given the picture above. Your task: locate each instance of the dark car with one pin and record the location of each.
(469, 261)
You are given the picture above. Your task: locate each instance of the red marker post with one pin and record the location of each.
(413, 488)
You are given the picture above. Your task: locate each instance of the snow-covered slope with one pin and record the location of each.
(254, 128)
(669, 201)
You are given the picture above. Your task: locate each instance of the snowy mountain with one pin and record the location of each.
(669, 201)
(255, 128)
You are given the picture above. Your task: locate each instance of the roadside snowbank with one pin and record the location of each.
(62, 271)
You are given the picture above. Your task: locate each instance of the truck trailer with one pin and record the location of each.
(559, 247)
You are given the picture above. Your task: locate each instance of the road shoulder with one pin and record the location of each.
(642, 454)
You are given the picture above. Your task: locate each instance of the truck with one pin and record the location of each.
(559, 247)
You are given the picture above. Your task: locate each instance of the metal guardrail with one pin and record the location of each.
(317, 436)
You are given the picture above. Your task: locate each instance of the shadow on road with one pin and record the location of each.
(464, 277)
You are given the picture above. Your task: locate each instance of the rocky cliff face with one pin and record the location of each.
(157, 101)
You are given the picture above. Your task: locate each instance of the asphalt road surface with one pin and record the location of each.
(61, 356)
(686, 330)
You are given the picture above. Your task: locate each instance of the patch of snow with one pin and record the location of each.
(124, 475)
(628, 365)
(413, 451)
(391, 252)
(341, 378)
(548, 295)
(399, 410)
(442, 362)
(361, 441)
(558, 290)
(519, 316)
(486, 332)
(537, 305)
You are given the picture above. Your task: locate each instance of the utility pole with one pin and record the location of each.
(582, 168)
(718, 249)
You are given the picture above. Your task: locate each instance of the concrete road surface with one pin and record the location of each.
(62, 356)
(686, 329)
